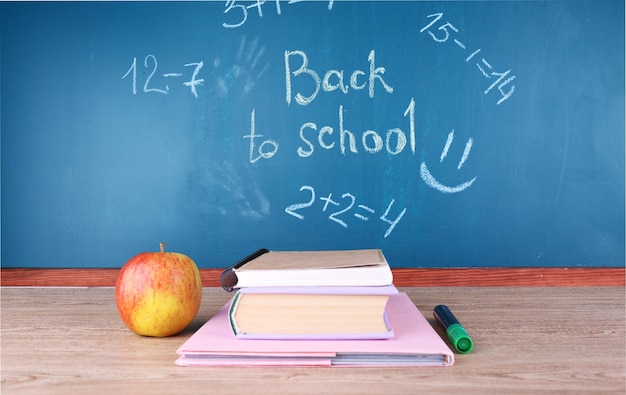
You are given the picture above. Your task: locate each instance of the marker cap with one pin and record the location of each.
(459, 338)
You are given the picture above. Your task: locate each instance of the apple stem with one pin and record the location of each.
(162, 246)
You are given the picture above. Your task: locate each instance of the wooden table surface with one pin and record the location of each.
(534, 340)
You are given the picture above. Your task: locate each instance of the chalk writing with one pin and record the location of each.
(393, 142)
(329, 137)
(265, 150)
(432, 182)
(150, 63)
(338, 209)
(333, 79)
(371, 141)
(239, 10)
(501, 80)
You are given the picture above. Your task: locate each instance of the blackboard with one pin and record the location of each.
(449, 134)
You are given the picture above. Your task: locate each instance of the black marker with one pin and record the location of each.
(228, 278)
(456, 333)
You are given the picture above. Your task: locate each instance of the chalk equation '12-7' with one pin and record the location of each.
(341, 208)
(150, 62)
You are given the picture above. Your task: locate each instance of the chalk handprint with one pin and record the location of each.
(247, 69)
(221, 188)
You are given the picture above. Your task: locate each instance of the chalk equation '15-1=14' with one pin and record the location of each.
(343, 207)
(444, 31)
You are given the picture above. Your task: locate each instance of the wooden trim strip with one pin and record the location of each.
(422, 277)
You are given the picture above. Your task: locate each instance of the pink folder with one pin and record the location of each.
(415, 344)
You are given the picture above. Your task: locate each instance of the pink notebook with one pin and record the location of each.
(415, 344)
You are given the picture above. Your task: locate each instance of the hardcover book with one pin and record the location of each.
(266, 268)
(311, 313)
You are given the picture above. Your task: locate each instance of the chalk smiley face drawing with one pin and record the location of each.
(432, 182)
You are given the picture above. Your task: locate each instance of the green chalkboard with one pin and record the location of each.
(449, 134)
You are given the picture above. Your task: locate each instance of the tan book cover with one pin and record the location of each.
(295, 260)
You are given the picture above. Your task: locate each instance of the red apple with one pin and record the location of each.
(158, 293)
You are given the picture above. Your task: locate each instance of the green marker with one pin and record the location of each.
(456, 333)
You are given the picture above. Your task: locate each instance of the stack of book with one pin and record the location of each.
(315, 308)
